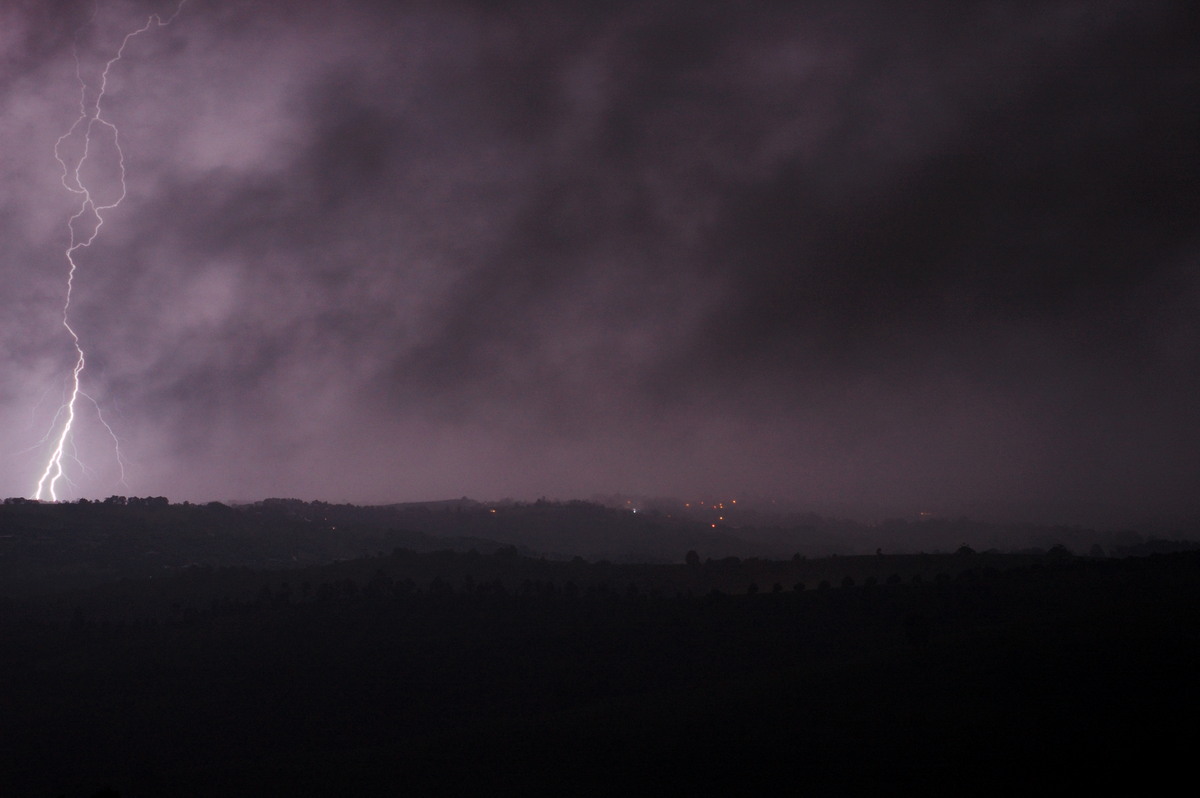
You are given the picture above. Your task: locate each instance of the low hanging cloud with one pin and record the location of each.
(851, 253)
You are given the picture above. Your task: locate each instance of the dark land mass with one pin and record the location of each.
(157, 649)
(48, 547)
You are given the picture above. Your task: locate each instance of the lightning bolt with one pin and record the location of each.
(83, 227)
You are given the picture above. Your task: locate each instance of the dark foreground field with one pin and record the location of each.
(454, 673)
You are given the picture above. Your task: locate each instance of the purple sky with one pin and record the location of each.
(895, 257)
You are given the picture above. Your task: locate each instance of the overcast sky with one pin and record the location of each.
(898, 257)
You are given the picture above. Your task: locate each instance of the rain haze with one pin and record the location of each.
(938, 257)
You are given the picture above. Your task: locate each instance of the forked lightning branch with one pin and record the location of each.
(91, 134)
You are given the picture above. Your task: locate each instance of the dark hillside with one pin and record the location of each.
(48, 547)
(444, 672)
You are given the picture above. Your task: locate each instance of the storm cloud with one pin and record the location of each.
(926, 257)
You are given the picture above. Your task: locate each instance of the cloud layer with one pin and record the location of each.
(845, 253)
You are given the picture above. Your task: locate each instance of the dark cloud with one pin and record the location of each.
(920, 257)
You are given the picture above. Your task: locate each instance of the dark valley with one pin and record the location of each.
(299, 648)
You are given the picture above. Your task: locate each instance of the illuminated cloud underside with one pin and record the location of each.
(853, 254)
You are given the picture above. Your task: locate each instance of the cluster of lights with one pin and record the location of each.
(718, 507)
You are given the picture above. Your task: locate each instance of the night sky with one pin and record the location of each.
(880, 257)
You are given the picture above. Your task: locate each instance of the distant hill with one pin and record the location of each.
(45, 546)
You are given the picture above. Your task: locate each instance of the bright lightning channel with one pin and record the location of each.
(89, 123)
